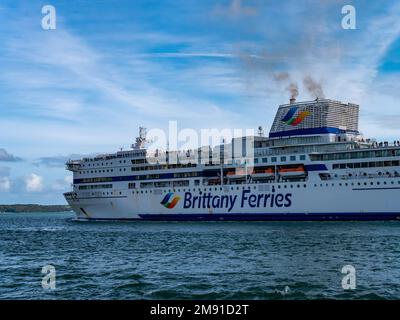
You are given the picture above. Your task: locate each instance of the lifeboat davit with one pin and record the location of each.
(239, 173)
(213, 182)
(292, 172)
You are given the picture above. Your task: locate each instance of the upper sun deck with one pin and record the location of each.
(117, 155)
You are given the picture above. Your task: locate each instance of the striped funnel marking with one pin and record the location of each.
(169, 200)
(293, 120)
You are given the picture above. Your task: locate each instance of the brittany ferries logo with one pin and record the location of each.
(293, 120)
(170, 200)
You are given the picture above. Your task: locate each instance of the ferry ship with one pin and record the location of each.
(313, 165)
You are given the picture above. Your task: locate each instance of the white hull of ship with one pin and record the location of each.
(298, 201)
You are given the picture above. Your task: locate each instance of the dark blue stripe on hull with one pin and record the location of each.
(309, 131)
(370, 216)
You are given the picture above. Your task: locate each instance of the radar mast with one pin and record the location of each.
(141, 139)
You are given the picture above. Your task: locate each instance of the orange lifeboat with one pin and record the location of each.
(268, 173)
(292, 172)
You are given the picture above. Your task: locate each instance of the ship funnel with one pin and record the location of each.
(292, 100)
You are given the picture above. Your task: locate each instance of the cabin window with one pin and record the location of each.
(283, 159)
(292, 158)
(302, 157)
(273, 159)
(96, 186)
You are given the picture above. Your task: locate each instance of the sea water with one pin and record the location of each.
(196, 260)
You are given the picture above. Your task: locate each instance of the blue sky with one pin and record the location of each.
(111, 66)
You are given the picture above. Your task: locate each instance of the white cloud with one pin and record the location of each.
(345, 62)
(34, 183)
(5, 184)
(68, 180)
(63, 184)
(121, 94)
(235, 9)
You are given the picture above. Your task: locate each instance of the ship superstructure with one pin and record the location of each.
(314, 165)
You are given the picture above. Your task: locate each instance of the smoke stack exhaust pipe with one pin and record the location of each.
(292, 100)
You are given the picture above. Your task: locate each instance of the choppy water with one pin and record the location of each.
(196, 260)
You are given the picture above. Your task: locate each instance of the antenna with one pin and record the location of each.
(260, 131)
(142, 133)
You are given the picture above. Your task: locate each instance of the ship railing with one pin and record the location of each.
(371, 143)
(73, 162)
(385, 144)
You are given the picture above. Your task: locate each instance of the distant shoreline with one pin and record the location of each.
(18, 208)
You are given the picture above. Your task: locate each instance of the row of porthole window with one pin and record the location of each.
(199, 189)
(387, 173)
(108, 193)
(216, 189)
(194, 189)
(102, 164)
(255, 187)
(278, 186)
(96, 171)
(357, 184)
(100, 171)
